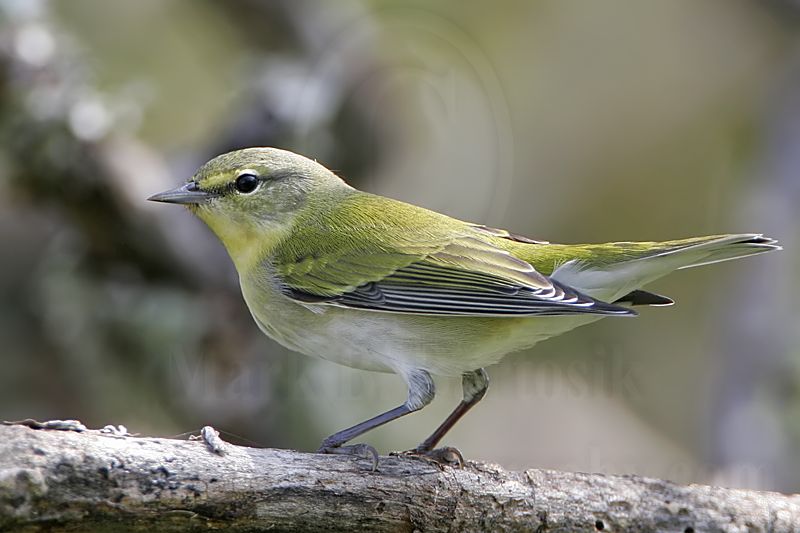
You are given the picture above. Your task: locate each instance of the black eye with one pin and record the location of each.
(246, 183)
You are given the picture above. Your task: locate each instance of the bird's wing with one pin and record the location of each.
(405, 263)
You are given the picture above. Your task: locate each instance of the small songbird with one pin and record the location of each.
(378, 284)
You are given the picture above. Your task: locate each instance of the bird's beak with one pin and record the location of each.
(189, 193)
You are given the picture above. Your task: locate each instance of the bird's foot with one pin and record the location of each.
(364, 451)
(440, 457)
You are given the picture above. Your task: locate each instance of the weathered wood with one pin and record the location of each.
(64, 480)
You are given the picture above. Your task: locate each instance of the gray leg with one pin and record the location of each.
(420, 393)
(474, 385)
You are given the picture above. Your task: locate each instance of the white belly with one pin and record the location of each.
(392, 342)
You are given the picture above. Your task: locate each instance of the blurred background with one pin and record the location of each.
(567, 121)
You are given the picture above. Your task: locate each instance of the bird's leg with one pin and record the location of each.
(420, 393)
(474, 385)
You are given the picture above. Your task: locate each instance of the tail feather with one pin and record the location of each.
(642, 263)
(640, 297)
(732, 247)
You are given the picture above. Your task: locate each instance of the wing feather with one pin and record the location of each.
(427, 288)
(404, 259)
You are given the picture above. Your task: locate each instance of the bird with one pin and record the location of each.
(381, 285)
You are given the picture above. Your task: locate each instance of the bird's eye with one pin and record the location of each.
(246, 183)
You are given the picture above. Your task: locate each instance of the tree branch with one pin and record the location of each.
(66, 480)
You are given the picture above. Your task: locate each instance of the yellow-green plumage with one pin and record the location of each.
(379, 284)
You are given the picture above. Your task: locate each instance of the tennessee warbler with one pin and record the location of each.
(378, 284)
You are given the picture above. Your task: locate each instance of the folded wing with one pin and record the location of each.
(465, 278)
(382, 255)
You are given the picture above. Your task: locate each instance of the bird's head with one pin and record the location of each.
(251, 197)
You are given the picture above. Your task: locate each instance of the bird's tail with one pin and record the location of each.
(614, 270)
(725, 247)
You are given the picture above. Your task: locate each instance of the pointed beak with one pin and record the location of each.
(188, 193)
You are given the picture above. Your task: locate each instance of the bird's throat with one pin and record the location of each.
(247, 244)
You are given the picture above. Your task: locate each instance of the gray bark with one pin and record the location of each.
(66, 480)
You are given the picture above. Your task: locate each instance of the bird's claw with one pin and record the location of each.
(440, 457)
(359, 450)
